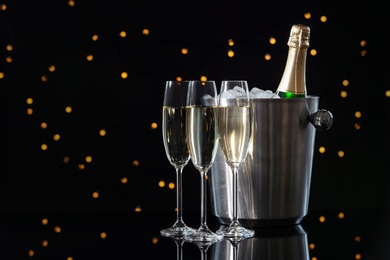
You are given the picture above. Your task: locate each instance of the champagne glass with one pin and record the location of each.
(234, 129)
(202, 139)
(175, 143)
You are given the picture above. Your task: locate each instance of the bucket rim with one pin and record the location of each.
(284, 99)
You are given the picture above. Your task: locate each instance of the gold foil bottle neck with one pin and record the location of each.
(299, 36)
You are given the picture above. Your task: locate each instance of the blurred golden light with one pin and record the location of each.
(313, 52)
(267, 56)
(135, 163)
(307, 15)
(363, 43)
(154, 240)
(95, 194)
(56, 137)
(153, 125)
(3, 7)
(322, 149)
(9, 59)
(340, 154)
(314, 258)
(88, 159)
(345, 82)
(81, 166)
(45, 221)
(161, 184)
(122, 34)
(9, 47)
(323, 18)
(357, 126)
(230, 53)
(322, 219)
(231, 42)
(68, 109)
(69, 258)
(52, 68)
(43, 147)
(43, 125)
(137, 209)
(95, 37)
(272, 40)
(312, 246)
(145, 32)
(203, 78)
(358, 239)
(102, 132)
(184, 51)
(66, 159)
(387, 93)
(343, 94)
(124, 75)
(1, 75)
(30, 252)
(89, 57)
(179, 79)
(124, 180)
(30, 111)
(341, 215)
(103, 235)
(71, 3)
(57, 229)
(171, 185)
(358, 256)
(363, 53)
(358, 114)
(29, 101)
(44, 78)
(45, 243)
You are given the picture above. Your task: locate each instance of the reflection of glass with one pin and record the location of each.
(234, 128)
(282, 243)
(175, 143)
(179, 241)
(204, 246)
(202, 139)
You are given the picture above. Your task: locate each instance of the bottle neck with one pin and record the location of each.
(293, 82)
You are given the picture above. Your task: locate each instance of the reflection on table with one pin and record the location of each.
(353, 234)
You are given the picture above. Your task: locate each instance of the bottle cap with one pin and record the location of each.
(299, 36)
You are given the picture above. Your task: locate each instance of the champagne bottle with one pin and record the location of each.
(293, 82)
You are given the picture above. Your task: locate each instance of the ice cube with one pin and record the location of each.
(240, 90)
(228, 94)
(256, 92)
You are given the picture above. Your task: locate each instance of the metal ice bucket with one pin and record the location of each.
(274, 181)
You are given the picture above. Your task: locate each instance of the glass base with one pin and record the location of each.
(177, 231)
(203, 235)
(235, 232)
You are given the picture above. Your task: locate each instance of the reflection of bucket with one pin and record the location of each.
(287, 243)
(274, 181)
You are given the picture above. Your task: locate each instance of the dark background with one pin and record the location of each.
(45, 33)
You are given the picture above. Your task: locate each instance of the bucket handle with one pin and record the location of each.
(322, 119)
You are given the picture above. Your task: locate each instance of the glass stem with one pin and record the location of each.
(203, 202)
(179, 250)
(179, 197)
(235, 197)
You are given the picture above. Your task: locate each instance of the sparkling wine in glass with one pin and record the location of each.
(202, 140)
(234, 129)
(176, 149)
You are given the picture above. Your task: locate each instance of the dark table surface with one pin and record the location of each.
(322, 234)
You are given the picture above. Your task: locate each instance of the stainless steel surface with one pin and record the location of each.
(274, 181)
(288, 243)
